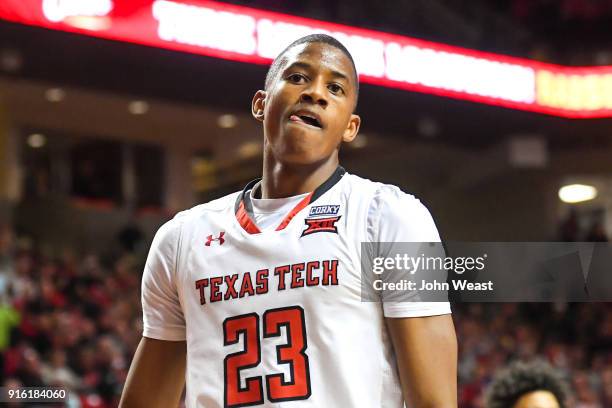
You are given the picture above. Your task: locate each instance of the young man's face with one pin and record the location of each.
(307, 110)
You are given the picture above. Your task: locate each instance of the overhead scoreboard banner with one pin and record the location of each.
(256, 36)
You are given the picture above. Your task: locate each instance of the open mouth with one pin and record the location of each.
(306, 119)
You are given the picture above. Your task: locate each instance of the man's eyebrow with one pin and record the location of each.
(305, 65)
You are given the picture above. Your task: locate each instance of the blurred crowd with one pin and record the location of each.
(67, 321)
(75, 322)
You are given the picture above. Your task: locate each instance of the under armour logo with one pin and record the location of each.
(220, 238)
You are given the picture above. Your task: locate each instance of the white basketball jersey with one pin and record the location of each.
(275, 318)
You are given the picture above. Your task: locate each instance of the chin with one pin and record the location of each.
(299, 146)
(300, 133)
(301, 142)
(300, 157)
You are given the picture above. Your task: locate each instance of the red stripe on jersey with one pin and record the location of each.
(245, 221)
(305, 201)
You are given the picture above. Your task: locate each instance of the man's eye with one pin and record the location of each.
(295, 77)
(335, 88)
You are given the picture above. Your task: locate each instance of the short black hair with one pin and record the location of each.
(520, 378)
(280, 61)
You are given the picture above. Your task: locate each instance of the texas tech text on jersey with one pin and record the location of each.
(297, 275)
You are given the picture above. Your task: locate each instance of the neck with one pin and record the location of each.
(285, 180)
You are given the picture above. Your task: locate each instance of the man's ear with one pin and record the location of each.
(352, 129)
(258, 105)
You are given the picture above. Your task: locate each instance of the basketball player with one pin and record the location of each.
(254, 298)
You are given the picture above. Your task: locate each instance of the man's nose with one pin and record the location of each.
(315, 93)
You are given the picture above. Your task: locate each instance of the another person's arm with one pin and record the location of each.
(426, 353)
(157, 375)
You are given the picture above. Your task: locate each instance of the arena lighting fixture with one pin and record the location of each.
(428, 127)
(138, 107)
(36, 140)
(256, 36)
(577, 193)
(55, 94)
(227, 121)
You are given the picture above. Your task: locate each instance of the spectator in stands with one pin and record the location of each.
(527, 385)
(58, 373)
(130, 237)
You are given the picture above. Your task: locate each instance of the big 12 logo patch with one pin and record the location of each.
(322, 218)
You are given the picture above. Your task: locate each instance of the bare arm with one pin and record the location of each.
(426, 352)
(157, 375)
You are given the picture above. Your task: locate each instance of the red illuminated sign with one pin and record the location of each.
(256, 36)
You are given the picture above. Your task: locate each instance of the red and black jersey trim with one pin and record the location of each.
(244, 207)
